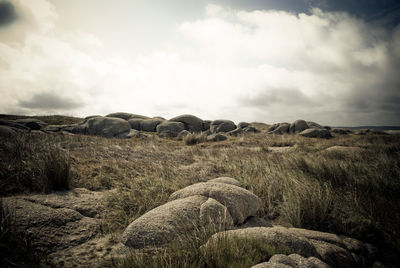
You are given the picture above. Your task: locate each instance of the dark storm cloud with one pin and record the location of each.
(7, 13)
(50, 101)
(382, 12)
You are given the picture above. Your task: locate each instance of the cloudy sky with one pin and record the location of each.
(335, 62)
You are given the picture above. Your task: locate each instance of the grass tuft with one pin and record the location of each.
(194, 138)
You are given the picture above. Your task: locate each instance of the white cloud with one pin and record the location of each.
(326, 67)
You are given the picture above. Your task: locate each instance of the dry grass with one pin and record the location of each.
(194, 138)
(33, 163)
(355, 194)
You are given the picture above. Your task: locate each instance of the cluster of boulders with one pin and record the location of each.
(126, 125)
(229, 211)
(11, 127)
(303, 128)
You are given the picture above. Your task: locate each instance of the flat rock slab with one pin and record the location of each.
(59, 221)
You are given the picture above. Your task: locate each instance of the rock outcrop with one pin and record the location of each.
(219, 203)
(316, 133)
(191, 122)
(218, 126)
(298, 126)
(330, 249)
(104, 126)
(150, 125)
(126, 116)
(170, 129)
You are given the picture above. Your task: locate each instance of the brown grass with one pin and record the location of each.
(355, 194)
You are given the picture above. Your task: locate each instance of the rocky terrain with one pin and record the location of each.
(126, 190)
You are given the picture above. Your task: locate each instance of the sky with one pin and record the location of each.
(333, 62)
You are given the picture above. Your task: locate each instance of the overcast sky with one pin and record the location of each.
(336, 62)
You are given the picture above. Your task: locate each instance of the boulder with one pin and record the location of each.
(169, 222)
(333, 250)
(273, 127)
(281, 128)
(293, 260)
(216, 137)
(250, 129)
(192, 123)
(218, 126)
(126, 116)
(277, 237)
(169, 129)
(105, 126)
(206, 125)
(150, 125)
(316, 133)
(58, 220)
(32, 123)
(235, 132)
(312, 124)
(243, 125)
(135, 123)
(240, 203)
(298, 126)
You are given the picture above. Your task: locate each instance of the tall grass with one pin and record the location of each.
(30, 163)
(194, 138)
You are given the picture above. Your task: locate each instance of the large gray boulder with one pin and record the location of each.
(169, 222)
(126, 116)
(207, 205)
(312, 124)
(150, 125)
(218, 126)
(105, 126)
(281, 128)
(136, 123)
(316, 133)
(206, 125)
(169, 129)
(191, 122)
(298, 126)
(240, 203)
(243, 125)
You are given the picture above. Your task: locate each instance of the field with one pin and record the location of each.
(352, 190)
